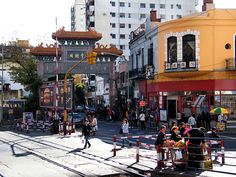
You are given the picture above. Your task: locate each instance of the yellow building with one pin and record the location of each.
(196, 63)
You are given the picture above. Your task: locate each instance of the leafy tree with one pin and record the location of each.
(24, 71)
(79, 95)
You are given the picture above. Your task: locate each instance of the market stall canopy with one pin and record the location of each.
(219, 110)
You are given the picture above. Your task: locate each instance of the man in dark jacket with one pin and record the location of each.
(161, 137)
(86, 132)
(195, 147)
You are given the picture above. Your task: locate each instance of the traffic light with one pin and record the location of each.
(92, 58)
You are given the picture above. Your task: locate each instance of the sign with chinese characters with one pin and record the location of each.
(76, 55)
(48, 95)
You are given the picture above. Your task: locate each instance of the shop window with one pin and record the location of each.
(229, 102)
(189, 48)
(172, 49)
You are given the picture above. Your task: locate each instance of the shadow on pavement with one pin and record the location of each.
(19, 154)
(75, 150)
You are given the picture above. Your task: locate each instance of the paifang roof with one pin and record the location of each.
(49, 50)
(68, 35)
(107, 50)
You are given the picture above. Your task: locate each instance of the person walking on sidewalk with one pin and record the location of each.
(192, 121)
(142, 120)
(125, 131)
(86, 132)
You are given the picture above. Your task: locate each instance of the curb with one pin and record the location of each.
(171, 173)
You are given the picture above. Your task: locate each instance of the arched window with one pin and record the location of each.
(189, 48)
(172, 49)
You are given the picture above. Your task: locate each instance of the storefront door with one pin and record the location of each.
(171, 107)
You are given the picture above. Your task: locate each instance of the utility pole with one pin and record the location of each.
(56, 73)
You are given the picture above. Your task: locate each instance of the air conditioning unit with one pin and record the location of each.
(174, 65)
(192, 64)
(183, 64)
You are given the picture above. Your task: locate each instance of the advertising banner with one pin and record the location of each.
(48, 95)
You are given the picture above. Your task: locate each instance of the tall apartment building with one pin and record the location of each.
(115, 19)
(78, 20)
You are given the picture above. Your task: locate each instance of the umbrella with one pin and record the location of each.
(219, 110)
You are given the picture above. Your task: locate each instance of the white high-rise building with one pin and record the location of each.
(78, 12)
(115, 19)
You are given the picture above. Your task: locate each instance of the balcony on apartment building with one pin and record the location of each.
(145, 72)
(137, 73)
(181, 66)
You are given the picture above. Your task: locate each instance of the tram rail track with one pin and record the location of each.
(117, 166)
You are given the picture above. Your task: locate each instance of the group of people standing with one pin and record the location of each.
(195, 137)
(202, 119)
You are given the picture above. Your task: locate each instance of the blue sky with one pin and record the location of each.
(35, 19)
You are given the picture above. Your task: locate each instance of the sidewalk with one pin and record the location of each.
(66, 149)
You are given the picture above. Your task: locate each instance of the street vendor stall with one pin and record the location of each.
(221, 119)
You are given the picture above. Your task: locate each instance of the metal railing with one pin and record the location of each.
(181, 66)
(187, 154)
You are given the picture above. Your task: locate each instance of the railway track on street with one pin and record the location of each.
(70, 159)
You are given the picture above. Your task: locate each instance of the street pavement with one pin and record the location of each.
(41, 154)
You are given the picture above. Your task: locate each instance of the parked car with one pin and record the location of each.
(80, 108)
(78, 118)
(91, 109)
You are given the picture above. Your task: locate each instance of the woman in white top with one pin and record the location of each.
(94, 125)
(125, 130)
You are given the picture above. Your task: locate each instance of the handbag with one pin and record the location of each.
(121, 131)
